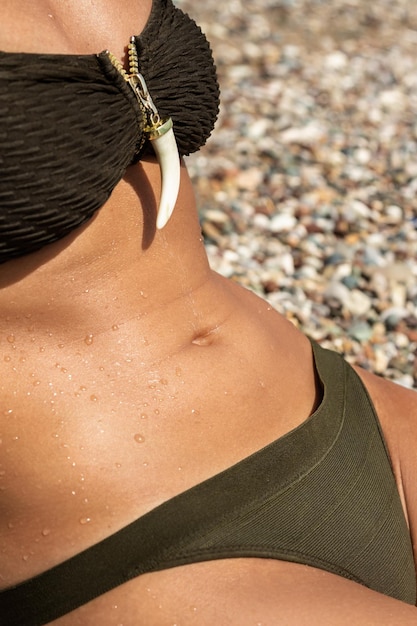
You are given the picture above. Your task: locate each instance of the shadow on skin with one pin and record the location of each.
(18, 268)
(142, 187)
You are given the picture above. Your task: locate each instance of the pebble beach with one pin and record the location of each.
(307, 189)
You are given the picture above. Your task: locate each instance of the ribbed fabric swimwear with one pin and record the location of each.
(70, 125)
(323, 495)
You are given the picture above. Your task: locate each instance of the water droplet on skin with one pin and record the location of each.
(156, 411)
(195, 412)
(118, 465)
(93, 398)
(8, 412)
(7, 358)
(60, 345)
(25, 557)
(11, 339)
(82, 388)
(46, 532)
(85, 520)
(42, 349)
(36, 383)
(64, 370)
(115, 327)
(143, 416)
(139, 438)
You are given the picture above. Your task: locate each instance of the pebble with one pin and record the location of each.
(283, 222)
(307, 189)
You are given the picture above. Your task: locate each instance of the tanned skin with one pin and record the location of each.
(121, 330)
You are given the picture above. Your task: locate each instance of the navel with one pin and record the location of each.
(205, 337)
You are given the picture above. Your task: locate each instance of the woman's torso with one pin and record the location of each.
(129, 375)
(114, 401)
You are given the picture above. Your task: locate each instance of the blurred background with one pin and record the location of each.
(307, 188)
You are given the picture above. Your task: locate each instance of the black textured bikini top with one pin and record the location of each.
(322, 495)
(70, 125)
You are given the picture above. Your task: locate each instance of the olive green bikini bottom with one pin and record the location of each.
(323, 495)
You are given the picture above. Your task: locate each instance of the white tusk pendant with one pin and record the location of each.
(163, 140)
(166, 151)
